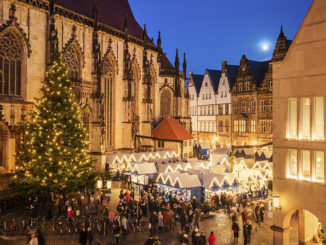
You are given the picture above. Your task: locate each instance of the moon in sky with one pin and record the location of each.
(265, 47)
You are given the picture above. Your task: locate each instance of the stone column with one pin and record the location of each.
(280, 235)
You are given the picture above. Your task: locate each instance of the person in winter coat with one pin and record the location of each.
(211, 238)
(203, 238)
(257, 212)
(160, 221)
(70, 215)
(245, 234)
(90, 236)
(194, 203)
(235, 229)
(153, 220)
(197, 218)
(33, 240)
(183, 219)
(167, 220)
(197, 240)
(83, 236)
(116, 233)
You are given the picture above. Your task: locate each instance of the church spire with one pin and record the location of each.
(176, 62)
(125, 25)
(281, 47)
(159, 41)
(95, 13)
(184, 65)
(52, 44)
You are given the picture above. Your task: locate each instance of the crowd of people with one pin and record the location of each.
(153, 211)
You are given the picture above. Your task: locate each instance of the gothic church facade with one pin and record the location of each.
(123, 82)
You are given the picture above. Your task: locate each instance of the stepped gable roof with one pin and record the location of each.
(198, 80)
(232, 72)
(215, 76)
(110, 12)
(171, 129)
(258, 70)
(165, 63)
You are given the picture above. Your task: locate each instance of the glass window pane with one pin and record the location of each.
(319, 118)
(319, 165)
(293, 163)
(292, 118)
(18, 77)
(306, 164)
(6, 76)
(12, 77)
(305, 117)
(1, 74)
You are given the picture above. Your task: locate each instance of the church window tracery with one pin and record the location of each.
(11, 55)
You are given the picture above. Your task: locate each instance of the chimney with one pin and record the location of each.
(224, 64)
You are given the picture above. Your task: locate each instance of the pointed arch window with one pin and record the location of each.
(73, 62)
(165, 103)
(11, 55)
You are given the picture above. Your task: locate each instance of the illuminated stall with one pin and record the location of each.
(182, 185)
(141, 173)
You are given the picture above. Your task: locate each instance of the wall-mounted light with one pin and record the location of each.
(276, 202)
(109, 184)
(99, 184)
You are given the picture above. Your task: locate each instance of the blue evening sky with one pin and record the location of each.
(210, 31)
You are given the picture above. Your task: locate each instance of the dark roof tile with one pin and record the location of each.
(258, 70)
(232, 72)
(215, 76)
(197, 80)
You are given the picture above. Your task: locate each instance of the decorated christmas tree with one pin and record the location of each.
(54, 155)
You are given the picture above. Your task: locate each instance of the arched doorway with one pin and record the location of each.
(304, 227)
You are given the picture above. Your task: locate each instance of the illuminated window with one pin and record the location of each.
(319, 118)
(253, 126)
(242, 124)
(319, 166)
(252, 107)
(305, 118)
(240, 87)
(293, 163)
(236, 126)
(292, 117)
(305, 164)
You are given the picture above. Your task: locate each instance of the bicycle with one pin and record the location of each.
(60, 225)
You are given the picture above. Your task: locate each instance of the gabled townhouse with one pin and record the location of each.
(223, 104)
(252, 103)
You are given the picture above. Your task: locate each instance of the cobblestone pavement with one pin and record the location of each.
(218, 222)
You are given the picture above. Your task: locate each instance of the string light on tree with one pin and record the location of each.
(54, 157)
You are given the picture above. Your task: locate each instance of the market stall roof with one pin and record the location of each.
(144, 168)
(226, 161)
(182, 180)
(249, 162)
(110, 159)
(218, 169)
(218, 157)
(171, 129)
